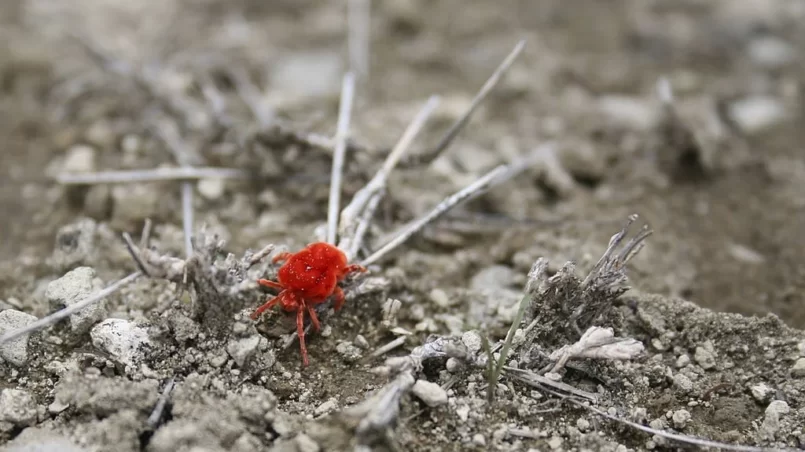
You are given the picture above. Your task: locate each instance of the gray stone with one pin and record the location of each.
(16, 350)
(17, 407)
(73, 288)
(431, 393)
(243, 348)
(124, 340)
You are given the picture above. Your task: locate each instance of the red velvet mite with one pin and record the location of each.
(307, 278)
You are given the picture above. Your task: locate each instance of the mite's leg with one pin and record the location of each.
(268, 305)
(271, 284)
(300, 330)
(314, 319)
(339, 298)
(354, 268)
(283, 256)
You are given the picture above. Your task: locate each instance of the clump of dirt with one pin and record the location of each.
(497, 327)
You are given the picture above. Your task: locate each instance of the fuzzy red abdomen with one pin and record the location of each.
(311, 276)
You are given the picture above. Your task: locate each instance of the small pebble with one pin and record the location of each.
(17, 407)
(72, 288)
(326, 407)
(211, 189)
(492, 277)
(478, 439)
(472, 340)
(629, 112)
(15, 351)
(705, 356)
(682, 361)
(758, 113)
(761, 392)
(348, 351)
(555, 442)
(583, 424)
(682, 382)
(463, 412)
(124, 340)
(79, 159)
(798, 370)
(775, 411)
(242, 349)
(680, 418)
(361, 342)
(430, 393)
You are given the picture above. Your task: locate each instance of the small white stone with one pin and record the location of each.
(243, 348)
(326, 407)
(682, 382)
(361, 342)
(478, 439)
(15, 351)
(629, 112)
(771, 52)
(755, 114)
(431, 393)
(211, 189)
(463, 412)
(771, 421)
(124, 340)
(79, 159)
(680, 418)
(682, 361)
(555, 442)
(17, 407)
(583, 424)
(761, 392)
(705, 356)
(472, 340)
(440, 297)
(798, 370)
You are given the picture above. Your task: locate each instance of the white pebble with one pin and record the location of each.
(431, 393)
(326, 407)
(17, 407)
(243, 348)
(16, 350)
(680, 418)
(798, 370)
(755, 114)
(124, 340)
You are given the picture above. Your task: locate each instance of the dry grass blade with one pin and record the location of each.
(341, 135)
(362, 198)
(490, 84)
(68, 311)
(150, 175)
(388, 347)
(187, 217)
(436, 213)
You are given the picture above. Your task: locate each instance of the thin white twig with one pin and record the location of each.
(341, 135)
(159, 408)
(150, 175)
(377, 184)
(363, 225)
(388, 347)
(66, 312)
(358, 30)
(187, 218)
(490, 84)
(260, 255)
(438, 211)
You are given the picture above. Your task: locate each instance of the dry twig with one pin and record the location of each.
(442, 208)
(341, 135)
(452, 132)
(150, 175)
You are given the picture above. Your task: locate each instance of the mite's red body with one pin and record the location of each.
(307, 278)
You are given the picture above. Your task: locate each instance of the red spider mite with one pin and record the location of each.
(307, 278)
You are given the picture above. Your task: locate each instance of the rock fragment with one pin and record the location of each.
(242, 349)
(72, 288)
(17, 407)
(124, 340)
(431, 393)
(798, 370)
(16, 350)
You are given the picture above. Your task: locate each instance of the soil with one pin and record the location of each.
(717, 294)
